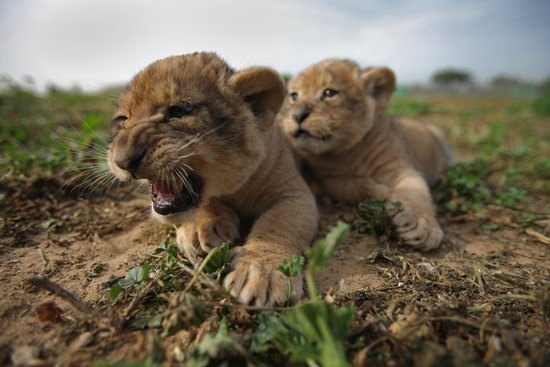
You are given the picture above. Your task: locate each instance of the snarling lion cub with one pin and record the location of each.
(204, 136)
(338, 124)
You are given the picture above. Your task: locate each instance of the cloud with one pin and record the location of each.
(103, 41)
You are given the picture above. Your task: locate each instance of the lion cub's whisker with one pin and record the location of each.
(182, 174)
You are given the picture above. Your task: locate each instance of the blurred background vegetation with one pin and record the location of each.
(505, 123)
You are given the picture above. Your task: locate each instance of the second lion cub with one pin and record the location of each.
(339, 126)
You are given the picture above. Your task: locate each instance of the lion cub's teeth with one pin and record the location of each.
(166, 191)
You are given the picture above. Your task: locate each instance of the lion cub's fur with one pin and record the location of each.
(337, 122)
(229, 140)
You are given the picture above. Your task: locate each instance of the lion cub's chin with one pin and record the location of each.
(307, 146)
(175, 218)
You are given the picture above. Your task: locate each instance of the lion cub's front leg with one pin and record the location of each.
(279, 234)
(215, 224)
(415, 223)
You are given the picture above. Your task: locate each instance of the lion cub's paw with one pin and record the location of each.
(254, 279)
(422, 232)
(195, 240)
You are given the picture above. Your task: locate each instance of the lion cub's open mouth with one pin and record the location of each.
(175, 197)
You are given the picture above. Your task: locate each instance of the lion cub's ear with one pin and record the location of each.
(262, 88)
(379, 82)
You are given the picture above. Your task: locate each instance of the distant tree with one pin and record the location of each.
(51, 88)
(503, 81)
(451, 76)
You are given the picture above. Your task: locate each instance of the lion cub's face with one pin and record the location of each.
(332, 105)
(194, 128)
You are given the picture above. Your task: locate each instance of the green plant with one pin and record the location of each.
(374, 217)
(465, 187)
(452, 76)
(38, 136)
(291, 268)
(132, 278)
(315, 331)
(491, 143)
(216, 350)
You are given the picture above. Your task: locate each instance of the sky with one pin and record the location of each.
(93, 43)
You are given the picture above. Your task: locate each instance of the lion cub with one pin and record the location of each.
(204, 137)
(338, 123)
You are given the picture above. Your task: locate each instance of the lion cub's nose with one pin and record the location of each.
(129, 160)
(301, 114)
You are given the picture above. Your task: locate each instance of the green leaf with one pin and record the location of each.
(268, 330)
(145, 270)
(219, 258)
(292, 267)
(211, 345)
(214, 349)
(324, 328)
(50, 223)
(135, 275)
(313, 333)
(163, 245)
(323, 248)
(115, 292)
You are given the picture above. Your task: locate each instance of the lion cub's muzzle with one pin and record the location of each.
(173, 194)
(175, 197)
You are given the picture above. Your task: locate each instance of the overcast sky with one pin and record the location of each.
(97, 42)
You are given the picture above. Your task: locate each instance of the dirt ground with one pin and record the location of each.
(483, 298)
(116, 231)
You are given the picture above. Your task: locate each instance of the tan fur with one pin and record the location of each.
(231, 142)
(356, 150)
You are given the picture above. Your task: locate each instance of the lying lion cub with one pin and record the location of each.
(204, 136)
(338, 124)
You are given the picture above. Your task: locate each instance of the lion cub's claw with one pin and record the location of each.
(255, 280)
(423, 233)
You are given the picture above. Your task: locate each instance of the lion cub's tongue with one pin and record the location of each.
(166, 194)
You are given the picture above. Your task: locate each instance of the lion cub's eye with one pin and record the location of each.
(328, 93)
(180, 110)
(119, 121)
(294, 96)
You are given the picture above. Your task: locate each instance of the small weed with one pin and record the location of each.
(217, 350)
(374, 217)
(95, 270)
(50, 224)
(291, 268)
(315, 331)
(218, 258)
(170, 255)
(322, 249)
(132, 278)
(465, 187)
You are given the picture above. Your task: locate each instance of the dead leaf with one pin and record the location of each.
(48, 311)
